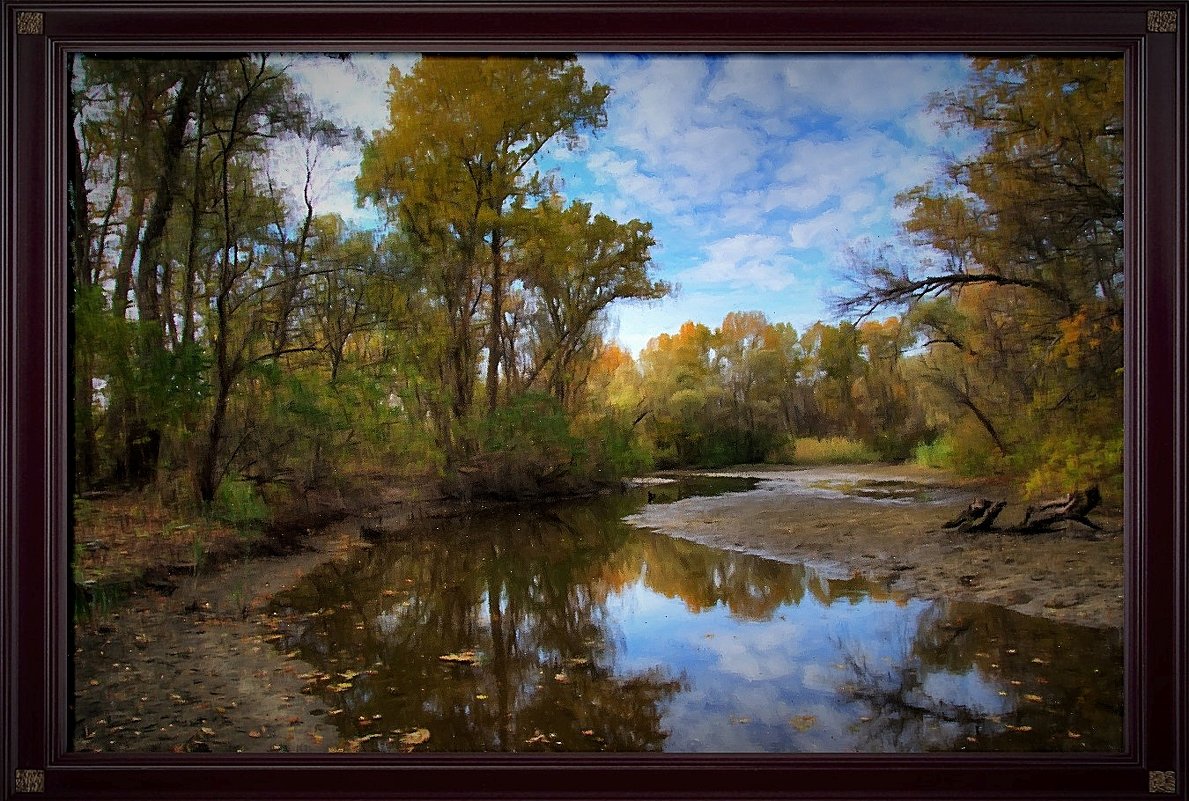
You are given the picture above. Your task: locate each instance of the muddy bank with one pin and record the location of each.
(180, 655)
(183, 658)
(196, 670)
(884, 522)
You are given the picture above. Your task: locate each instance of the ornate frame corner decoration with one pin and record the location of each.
(30, 781)
(32, 23)
(1162, 22)
(1162, 781)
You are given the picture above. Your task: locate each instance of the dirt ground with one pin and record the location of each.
(807, 516)
(197, 671)
(194, 668)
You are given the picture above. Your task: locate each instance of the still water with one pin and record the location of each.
(562, 628)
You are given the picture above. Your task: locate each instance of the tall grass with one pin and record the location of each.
(825, 451)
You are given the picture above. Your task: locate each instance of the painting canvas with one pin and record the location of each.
(624, 402)
(742, 661)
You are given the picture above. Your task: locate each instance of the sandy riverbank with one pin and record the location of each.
(814, 516)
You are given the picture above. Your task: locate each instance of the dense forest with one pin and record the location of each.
(232, 344)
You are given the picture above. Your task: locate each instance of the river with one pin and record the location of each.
(565, 627)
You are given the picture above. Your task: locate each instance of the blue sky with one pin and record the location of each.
(756, 171)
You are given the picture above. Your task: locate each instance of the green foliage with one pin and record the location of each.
(784, 452)
(1075, 460)
(938, 454)
(613, 450)
(238, 503)
(972, 452)
(533, 425)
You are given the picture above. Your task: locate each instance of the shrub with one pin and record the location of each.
(783, 453)
(832, 450)
(936, 454)
(238, 503)
(614, 451)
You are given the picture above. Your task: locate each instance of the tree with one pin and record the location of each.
(574, 266)
(460, 149)
(682, 385)
(1021, 305)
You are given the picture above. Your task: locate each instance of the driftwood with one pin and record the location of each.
(1074, 506)
(980, 515)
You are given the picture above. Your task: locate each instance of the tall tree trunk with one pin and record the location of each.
(85, 431)
(142, 437)
(148, 300)
(209, 473)
(196, 200)
(129, 247)
(495, 339)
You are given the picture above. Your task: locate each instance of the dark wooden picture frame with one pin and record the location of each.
(34, 557)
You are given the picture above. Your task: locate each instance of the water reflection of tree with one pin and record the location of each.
(529, 595)
(702, 577)
(899, 714)
(751, 588)
(1052, 701)
(1048, 702)
(525, 593)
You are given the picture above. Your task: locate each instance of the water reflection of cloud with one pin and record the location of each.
(762, 653)
(967, 689)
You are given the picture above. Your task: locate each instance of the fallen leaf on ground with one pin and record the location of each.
(462, 657)
(803, 722)
(415, 737)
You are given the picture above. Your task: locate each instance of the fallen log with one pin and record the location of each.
(1073, 507)
(978, 516)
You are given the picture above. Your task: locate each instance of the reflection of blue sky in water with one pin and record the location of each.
(774, 685)
(569, 629)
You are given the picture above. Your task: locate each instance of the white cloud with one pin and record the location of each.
(864, 88)
(753, 81)
(355, 90)
(751, 260)
(354, 94)
(754, 169)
